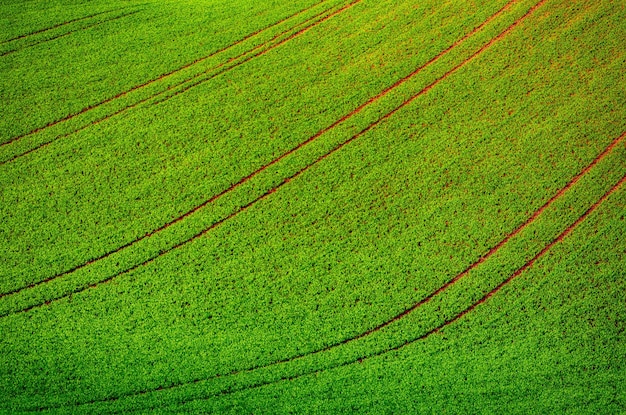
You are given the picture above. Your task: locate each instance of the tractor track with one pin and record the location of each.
(186, 88)
(481, 301)
(169, 88)
(437, 329)
(426, 299)
(273, 162)
(146, 84)
(263, 52)
(167, 225)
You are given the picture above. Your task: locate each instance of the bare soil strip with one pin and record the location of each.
(264, 51)
(68, 33)
(152, 81)
(293, 176)
(273, 162)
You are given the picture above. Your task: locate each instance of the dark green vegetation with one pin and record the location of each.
(313, 206)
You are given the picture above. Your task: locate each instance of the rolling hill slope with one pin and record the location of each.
(313, 207)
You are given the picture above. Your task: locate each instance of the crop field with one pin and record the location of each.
(313, 206)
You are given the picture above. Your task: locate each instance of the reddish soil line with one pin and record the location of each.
(161, 77)
(165, 226)
(534, 259)
(226, 69)
(437, 329)
(415, 72)
(67, 34)
(59, 25)
(252, 56)
(266, 166)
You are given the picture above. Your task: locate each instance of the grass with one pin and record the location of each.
(313, 207)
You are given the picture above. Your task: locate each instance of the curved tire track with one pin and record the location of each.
(152, 81)
(558, 239)
(163, 227)
(298, 173)
(171, 87)
(245, 179)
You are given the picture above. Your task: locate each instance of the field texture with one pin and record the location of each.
(314, 206)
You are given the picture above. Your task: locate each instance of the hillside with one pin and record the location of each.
(331, 206)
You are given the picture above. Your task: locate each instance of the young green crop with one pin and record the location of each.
(352, 241)
(105, 200)
(551, 342)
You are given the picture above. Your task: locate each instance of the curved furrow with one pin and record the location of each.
(245, 179)
(435, 330)
(151, 82)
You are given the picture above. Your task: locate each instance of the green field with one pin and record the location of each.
(316, 206)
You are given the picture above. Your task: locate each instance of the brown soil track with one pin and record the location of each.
(152, 81)
(263, 52)
(59, 25)
(273, 162)
(68, 33)
(222, 65)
